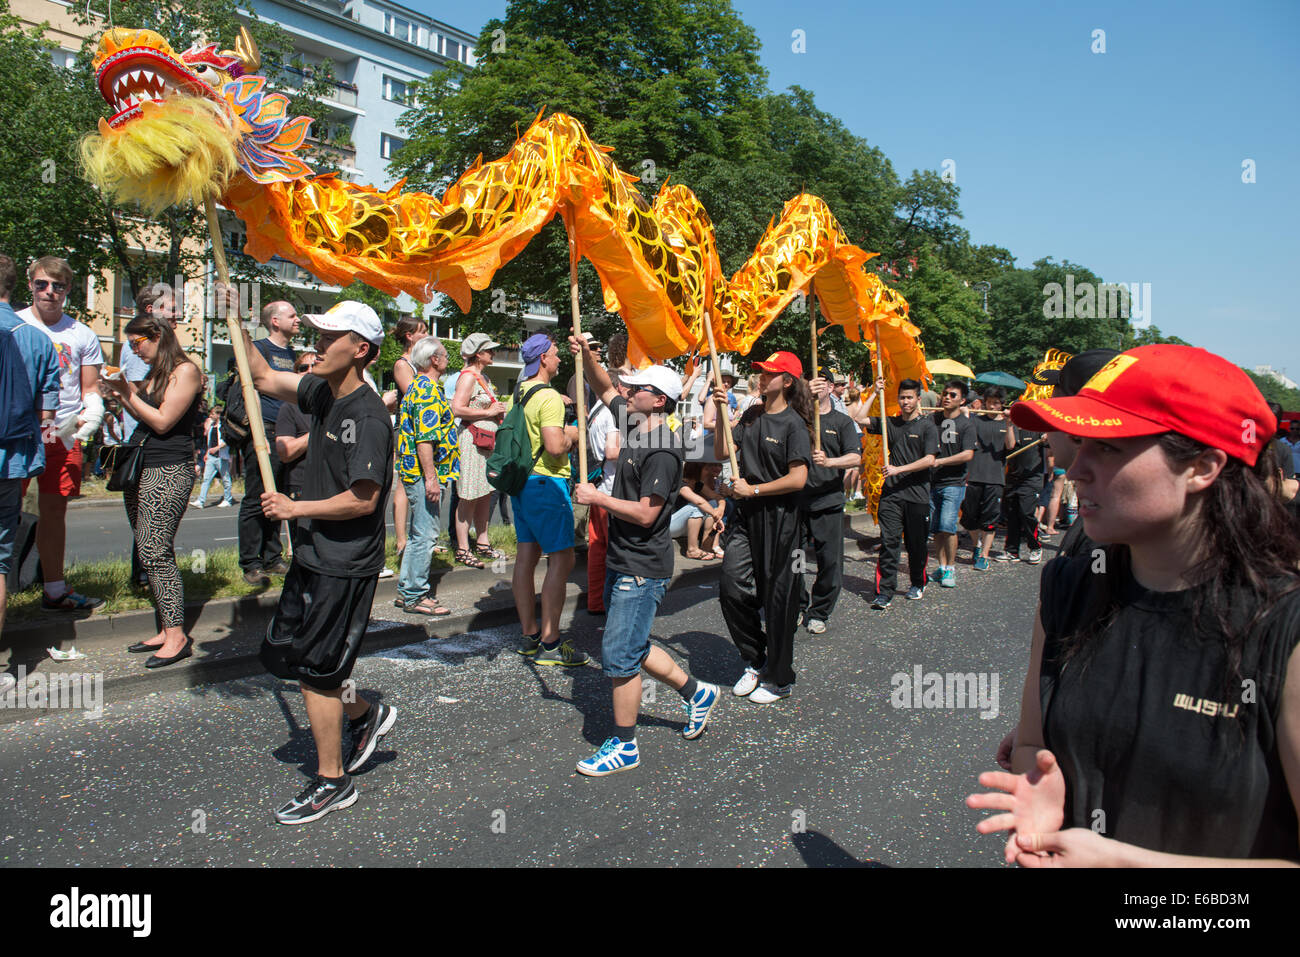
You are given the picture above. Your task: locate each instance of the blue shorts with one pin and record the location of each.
(945, 506)
(543, 514)
(11, 507)
(630, 606)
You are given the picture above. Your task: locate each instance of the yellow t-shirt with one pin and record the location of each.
(544, 409)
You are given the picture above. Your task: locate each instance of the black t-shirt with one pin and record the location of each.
(351, 440)
(956, 435)
(909, 441)
(769, 443)
(987, 465)
(825, 488)
(649, 463)
(1027, 467)
(291, 424)
(1142, 730)
(280, 358)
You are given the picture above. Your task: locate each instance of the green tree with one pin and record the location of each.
(947, 311)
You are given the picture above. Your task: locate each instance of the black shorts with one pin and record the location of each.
(315, 635)
(982, 507)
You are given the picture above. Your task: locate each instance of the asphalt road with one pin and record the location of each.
(479, 769)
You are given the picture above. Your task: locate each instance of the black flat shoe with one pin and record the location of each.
(140, 648)
(155, 662)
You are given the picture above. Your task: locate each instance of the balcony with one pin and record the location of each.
(344, 157)
(341, 93)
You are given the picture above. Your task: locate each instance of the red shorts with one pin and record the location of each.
(62, 475)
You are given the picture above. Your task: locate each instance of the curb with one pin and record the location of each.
(228, 632)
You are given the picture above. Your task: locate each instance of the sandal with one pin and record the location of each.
(701, 555)
(427, 606)
(440, 549)
(70, 601)
(466, 557)
(487, 551)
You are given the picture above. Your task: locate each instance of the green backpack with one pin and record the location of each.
(512, 460)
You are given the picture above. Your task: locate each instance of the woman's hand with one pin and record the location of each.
(496, 410)
(720, 398)
(119, 385)
(743, 489)
(1034, 802)
(1076, 847)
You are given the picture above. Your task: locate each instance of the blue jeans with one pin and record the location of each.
(630, 606)
(211, 466)
(945, 506)
(414, 581)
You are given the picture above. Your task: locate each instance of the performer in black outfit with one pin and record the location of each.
(775, 448)
(1160, 724)
(823, 506)
(905, 500)
(324, 609)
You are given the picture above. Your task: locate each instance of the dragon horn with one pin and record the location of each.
(246, 50)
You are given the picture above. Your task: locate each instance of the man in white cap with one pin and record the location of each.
(324, 608)
(639, 559)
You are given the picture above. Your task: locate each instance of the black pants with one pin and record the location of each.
(259, 537)
(824, 531)
(1018, 504)
(758, 571)
(908, 521)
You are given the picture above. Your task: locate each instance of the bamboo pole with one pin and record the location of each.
(252, 402)
(817, 403)
(581, 396)
(724, 419)
(939, 408)
(884, 418)
(1025, 449)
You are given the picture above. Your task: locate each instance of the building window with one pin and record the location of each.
(394, 90)
(66, 59)
(388, 145)
(453, 49)
(397, 27)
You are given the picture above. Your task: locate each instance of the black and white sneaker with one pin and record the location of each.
(316, 800)
(365, 738)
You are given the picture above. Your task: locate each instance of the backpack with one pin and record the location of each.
(234, 417)
(512, 461)
(17, 415)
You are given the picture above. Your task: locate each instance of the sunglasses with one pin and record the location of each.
(952, 395)
(634, 389)
(135, 341)
(40, 285)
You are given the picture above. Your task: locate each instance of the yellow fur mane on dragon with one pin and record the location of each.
(187, 126)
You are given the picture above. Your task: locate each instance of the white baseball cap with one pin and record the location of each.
(661, 378)
(350, 316)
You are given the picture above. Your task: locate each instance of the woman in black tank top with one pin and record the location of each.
(1160, 724)
(167, 404)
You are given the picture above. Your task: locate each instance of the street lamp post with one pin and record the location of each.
(983, 286)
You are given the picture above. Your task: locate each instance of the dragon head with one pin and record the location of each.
(183, 124)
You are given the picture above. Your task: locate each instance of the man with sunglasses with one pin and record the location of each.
(948, 478)
(81, 410)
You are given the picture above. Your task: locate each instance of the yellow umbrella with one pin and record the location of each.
(949, 367)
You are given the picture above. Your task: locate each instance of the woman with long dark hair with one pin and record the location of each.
(774, 445)
(167, 405)
(1160, 724)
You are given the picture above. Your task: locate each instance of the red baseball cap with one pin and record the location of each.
(782, 362)
(1163, 388)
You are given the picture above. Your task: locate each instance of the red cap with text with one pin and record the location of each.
(782, 362)
(1163, 388)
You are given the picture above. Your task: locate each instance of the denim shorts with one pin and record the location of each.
(11, 507)
(543, 514)
(630, 606)
(945, 506)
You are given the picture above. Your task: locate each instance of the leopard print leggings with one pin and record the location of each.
(155, 509)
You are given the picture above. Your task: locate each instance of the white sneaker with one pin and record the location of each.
(747, 683)
(386, 573)
(225, 504)
(816, 626)
(196, 503)
(767, 692)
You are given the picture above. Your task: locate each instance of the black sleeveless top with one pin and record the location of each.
(176, 445)
(1154, 751)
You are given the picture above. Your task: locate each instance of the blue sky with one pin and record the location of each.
(1128, 162)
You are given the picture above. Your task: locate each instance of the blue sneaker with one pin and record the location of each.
(935, 576)
(915, 593)
(949, 578)
(614, 755)
(698, 710)
(981, 563)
